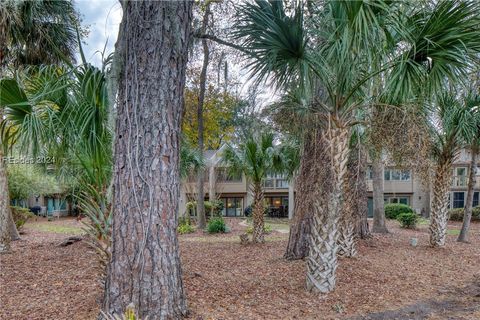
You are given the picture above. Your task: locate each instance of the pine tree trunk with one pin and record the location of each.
(379, 225)
(145, 270)
(361, 204)
(308, 182)
(258, 211)
(14, 235)
(439, 214)
(5, 213)
(322, 258)
(201, 99)
(467, 215)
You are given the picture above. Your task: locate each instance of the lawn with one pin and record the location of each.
(224, 280)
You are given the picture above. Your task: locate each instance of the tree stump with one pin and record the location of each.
(244, 238)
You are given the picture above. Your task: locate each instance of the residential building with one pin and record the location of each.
(235, 191)
(400, 186)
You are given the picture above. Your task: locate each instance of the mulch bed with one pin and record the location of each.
(225, 280)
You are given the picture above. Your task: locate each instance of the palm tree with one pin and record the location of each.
(63, 113)
(37, 32)
(456, 123)
(474, 100)
(31, 32)
(255, 158)
(420, 46)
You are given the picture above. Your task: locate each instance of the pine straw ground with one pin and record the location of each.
(224, 280)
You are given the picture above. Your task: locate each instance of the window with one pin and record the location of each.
(458, 199)
(281, 183)
(402, 200)
(405, 175)
(396, 175)
(277, 206)
(276, 181)
(232, 207)
(369, 173)
(476, 196)
(223, 175)
(460, 177)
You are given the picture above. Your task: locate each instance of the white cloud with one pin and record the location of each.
(103, 18)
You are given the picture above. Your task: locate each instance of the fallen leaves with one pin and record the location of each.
(226, 280)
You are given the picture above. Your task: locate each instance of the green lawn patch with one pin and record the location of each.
(55, 228)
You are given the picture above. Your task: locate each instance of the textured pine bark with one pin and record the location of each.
(322, 258)
(379, 225)
(5, 214)
(439, 214)
(258, 211)
(145, 266)
(12, 227)
(467, 215)
(308, 182)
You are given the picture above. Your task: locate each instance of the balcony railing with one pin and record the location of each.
(275, 183)
(462, 181)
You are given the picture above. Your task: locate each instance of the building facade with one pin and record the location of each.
(235, 192)
(400, 186)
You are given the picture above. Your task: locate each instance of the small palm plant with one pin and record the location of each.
(255, 158)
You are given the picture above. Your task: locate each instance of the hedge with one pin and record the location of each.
(457, 214)
(392, 210)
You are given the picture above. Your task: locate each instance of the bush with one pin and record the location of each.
(407, 219)
(457, 214)
(216, 225)
(20, 216)
(392, 210)
(185, 228)
(215, 207)
(266, 229)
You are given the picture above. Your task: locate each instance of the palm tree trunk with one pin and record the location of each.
(467, 215)
(201, 99)
(258, 210)
(354, 211)
(322, 258)
(439, 214)
(378, 168)
(308, 183)
(144, 270)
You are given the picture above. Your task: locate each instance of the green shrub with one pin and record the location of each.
(185, 228)
(20, 216)
(216, 206)
(266, 229)
(407, 219)
(392, 210)
(216, 225)
(457, 214)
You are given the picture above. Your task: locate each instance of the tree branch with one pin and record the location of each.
(223, 42)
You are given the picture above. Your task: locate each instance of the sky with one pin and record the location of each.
(103, 18)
